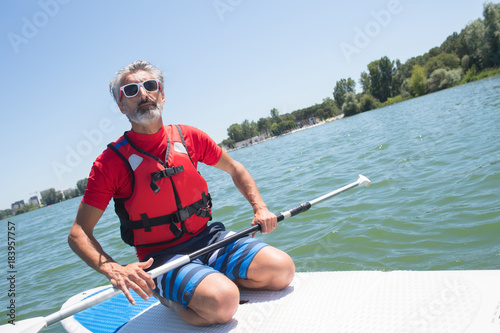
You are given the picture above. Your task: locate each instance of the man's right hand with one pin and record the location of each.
(131, 276)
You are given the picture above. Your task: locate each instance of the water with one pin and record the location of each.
(434, 202)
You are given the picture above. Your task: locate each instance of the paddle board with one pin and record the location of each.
(356, 301)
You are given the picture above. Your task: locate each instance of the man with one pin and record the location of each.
(164, 206)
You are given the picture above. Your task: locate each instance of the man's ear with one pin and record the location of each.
(121, 107)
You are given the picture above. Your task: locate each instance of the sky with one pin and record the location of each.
(224, 61)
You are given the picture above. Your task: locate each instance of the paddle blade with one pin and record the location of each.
(364, 181)
(32, 325)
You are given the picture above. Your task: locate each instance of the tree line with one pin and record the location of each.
(463, 57)
(277, 124)
(47, 198)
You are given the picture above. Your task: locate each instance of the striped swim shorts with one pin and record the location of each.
(232, 260)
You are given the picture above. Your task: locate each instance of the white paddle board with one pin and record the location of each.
(356, 301)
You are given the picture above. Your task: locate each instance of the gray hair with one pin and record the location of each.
(139, 65)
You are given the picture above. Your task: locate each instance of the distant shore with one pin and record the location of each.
(329, 120)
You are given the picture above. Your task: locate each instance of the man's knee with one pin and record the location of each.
(284, 271)
(226, 301)
(273, 268)
(216, 299)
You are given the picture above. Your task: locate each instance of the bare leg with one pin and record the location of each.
(271, 269)
(216, 298)
(214, 301)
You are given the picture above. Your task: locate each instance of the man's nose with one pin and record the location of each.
(142, 91)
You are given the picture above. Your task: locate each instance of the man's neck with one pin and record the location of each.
(147, 129)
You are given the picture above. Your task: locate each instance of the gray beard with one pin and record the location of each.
(146, 116)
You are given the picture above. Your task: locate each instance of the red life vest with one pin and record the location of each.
(170, 202)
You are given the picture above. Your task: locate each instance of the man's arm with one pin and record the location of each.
(83, 243)
(246, 185)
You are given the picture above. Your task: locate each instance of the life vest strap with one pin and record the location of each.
(146, 223)
(165, 173)
(200, 208)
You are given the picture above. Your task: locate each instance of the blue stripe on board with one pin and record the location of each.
(110, 315)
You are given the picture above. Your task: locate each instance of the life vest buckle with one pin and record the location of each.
(204, 212)
(165, 173)
(181, 215)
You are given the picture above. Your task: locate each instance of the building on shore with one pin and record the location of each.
(16, 205)
(34, 200)
(249, 142)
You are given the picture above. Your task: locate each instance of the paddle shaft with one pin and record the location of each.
(226, 241)
(108, 293)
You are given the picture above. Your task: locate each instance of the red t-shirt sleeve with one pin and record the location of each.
(109, 177)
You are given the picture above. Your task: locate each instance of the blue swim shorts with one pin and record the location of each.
(232, 260)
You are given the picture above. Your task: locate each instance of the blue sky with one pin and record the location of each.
(224, 61)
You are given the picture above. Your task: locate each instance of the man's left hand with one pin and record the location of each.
(267, 220)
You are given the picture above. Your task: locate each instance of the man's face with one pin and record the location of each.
(144, 108)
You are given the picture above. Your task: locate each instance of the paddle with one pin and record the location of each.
(37, 324)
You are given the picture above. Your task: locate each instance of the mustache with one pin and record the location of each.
(145, 101)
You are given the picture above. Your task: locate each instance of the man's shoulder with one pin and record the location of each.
(187, 129)
(109, 153)
(117, 141)
(191, 134)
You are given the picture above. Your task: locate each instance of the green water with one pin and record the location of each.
(434, 202)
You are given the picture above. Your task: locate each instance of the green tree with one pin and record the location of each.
(228, 143)
(442, 79)
(249, 129)
(81, 185)
(264, 126)
(435, 51)
(364, 81)
(26, 208)
(350, 107)
(367, 102)
(380, 72)
(50, 196)
(474, 37)
(397, 78)
(455, 44)
(446, 61)
(275, 115)
(5, 213)
(491, 15)
(417, 81)
(274, 129)
(386, 70)
(330, 108)
(342, 88)
(235, 132)
(283, 126)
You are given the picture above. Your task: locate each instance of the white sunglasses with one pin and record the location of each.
(132, 89)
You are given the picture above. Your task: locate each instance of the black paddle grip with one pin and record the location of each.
(300, 208)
